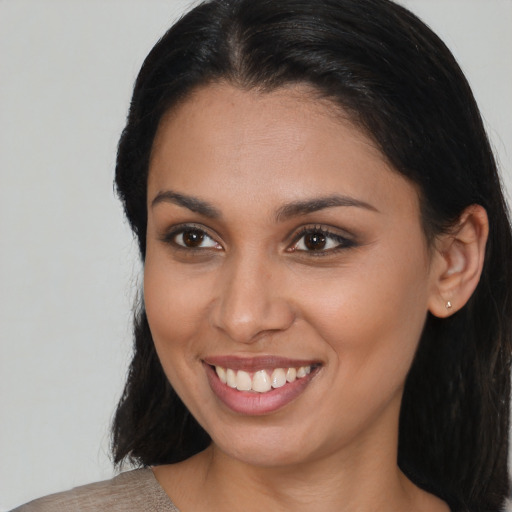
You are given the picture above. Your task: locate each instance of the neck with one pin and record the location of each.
(326, 484)
(361, 477)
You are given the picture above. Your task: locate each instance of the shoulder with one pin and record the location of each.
(136, 490)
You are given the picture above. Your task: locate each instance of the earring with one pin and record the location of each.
(448, 305)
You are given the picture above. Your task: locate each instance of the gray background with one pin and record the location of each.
(68, 266)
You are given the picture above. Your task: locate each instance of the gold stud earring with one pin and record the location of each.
(448, 305)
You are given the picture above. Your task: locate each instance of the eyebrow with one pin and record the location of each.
(293, 209)
(192, 203)
(298, 208)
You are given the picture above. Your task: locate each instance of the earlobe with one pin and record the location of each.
(458, 261)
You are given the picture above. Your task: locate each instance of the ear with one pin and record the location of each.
(458, 261)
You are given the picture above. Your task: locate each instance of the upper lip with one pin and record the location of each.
(255, 363)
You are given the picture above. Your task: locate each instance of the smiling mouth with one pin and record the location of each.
(259, 385)
(261, 381)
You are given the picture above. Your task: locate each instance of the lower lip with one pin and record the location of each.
(252, 403)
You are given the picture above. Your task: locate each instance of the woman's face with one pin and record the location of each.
(287, 277)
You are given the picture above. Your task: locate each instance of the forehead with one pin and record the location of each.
(287, 141)
(219, 103)
(221, 116)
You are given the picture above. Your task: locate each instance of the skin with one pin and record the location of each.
(253, 288)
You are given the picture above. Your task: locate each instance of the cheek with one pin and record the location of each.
(372, 326)
(175, 309)
(372, 315)
(173, 298)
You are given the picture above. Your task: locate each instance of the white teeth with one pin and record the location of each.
(291, 374)
(221, 373)
(261, 382)
(278, 378)
(243, 381)
(231, 378)
(302, 371)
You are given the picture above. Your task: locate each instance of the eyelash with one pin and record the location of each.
(170, 237)
(341, 241)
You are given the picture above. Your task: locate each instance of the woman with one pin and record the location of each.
(326, 319)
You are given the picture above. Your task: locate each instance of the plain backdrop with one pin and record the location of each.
(68, 266)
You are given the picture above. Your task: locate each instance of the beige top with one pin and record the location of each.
(133, 491)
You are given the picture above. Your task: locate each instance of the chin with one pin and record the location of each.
(270, 447)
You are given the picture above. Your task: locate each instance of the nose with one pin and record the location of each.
(251, 300)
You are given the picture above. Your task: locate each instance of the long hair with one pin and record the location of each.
(401, 85)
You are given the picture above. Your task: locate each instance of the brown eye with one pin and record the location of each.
(315, 241)
(192, 238)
